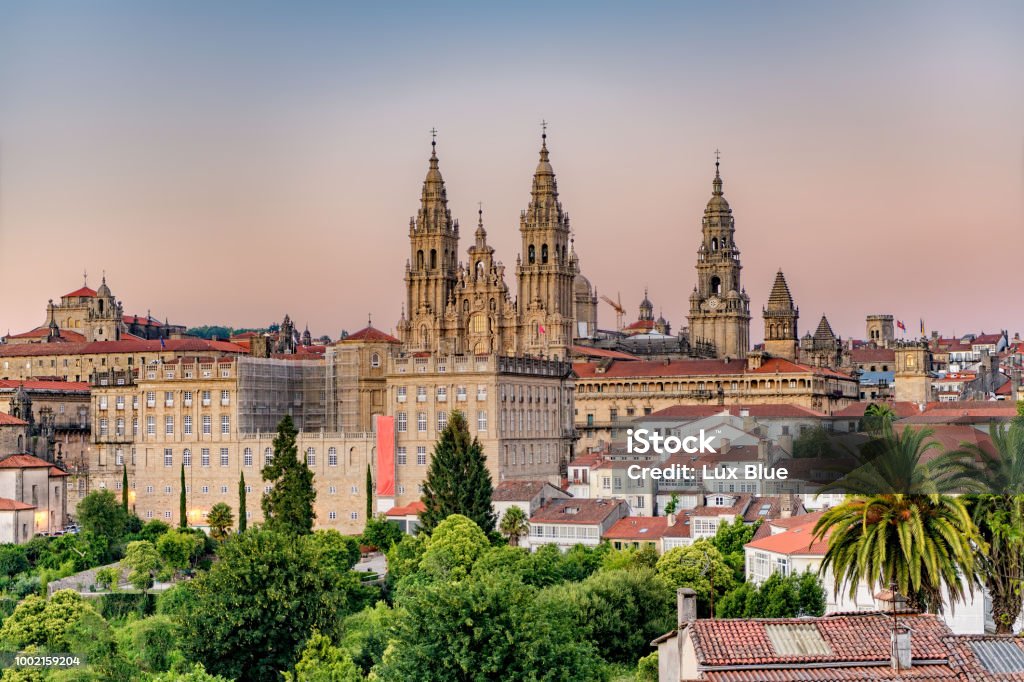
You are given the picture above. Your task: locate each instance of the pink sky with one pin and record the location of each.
(259, 168)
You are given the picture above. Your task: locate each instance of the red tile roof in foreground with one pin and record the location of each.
(587, 511)
(8, 420)
(23, 462)
(55, 472)
(186, 345)
(371, 334)
(637, 528)
(798, 538)
(13, 505)
(411, 509)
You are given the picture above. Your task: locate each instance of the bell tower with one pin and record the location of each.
(780, 318)
(719, 306)
(547, 268)
(431, 271)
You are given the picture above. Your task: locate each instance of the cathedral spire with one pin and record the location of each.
(716, 184)
(780, 298)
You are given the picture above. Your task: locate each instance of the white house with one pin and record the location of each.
(574, 522)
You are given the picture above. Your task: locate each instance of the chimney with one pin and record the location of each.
(900, 655)
(724, 445)
(762, 450)
(785, 505)
(671, 519)
(786, 443)
(686, 605)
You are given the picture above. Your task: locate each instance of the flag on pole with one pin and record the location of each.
(922, 326)
(901, 326)
(542, 329)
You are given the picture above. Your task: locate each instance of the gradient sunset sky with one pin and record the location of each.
(230, 162)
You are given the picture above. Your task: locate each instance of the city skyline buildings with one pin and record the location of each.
(266, 170)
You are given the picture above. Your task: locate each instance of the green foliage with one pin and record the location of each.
(153, 530)
(220, 518)
(618, 559)
(456, 544)
(620, 612)
(42, 622)
(120, 605)
(647, 668)
(729, 539)
(673, 504)
(178, 550)
(108, 578)
(458, 481)
(208, 331)
(335, 552)
(549, 566)
(142, 561)
(696, 566)
(369, 494)
(154, 642)
(197, 673)
(505, 560)
(777, 597)
(877, 417)
(323, 662)
(243, 514)
(514, 524)
(485, 626)
(367, 633)
(404, 557)
(178, 601)
(381, 533)
(813, 442)
(253, 610)
(101, 514)
(182, 500)
(288, 507)
(13, 560)
(124, 488)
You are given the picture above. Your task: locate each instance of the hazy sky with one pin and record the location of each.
(230, 162)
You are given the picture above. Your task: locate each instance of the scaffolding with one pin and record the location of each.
(269, 389)
(342, 389)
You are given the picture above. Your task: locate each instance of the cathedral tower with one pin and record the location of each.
(430, 272)
(546, 270)
(719, 306)
(780, 318)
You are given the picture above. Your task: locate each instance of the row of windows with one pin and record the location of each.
(515, 455)
(402, 421)
(421, 455)
(247, 456)
(441, 393)
(206, 399)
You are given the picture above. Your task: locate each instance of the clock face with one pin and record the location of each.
(714, 302)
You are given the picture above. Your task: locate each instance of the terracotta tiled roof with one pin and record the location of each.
(23, 462)
(994, 658)
(577, 512)
(637, 528)
(44, 331)
(783, 366)
(869, 354)
(781, 410)
(655, 368)
(589, 351)
(145, 321)
(641, 324)
(46, 385)
(517, 491)
(84, 292)
(987, 339)
(55, 472)
(950, 437)
(901, 409)
(13, 505)
(589, 459)
(8, 420)
(124, 346)
(371, 334)
(411, 509)
(797, 538)
(681, 528)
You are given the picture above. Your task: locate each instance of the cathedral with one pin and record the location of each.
(466, 307)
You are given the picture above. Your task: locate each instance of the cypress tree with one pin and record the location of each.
(369, 493)
(182, 513)
(457, 481)
(288, 507)
(242, 521)
(124, 486)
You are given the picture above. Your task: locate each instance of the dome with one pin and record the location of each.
(717, 204)
(104, 290)
(581, 285)
(732, 295)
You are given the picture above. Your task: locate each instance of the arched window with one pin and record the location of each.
(716, 285)
(714, 243)
(465, 305)
(544, 253)
(21, 442)
(375, 360)
(419, 259)
(433, 259)
(531, 255)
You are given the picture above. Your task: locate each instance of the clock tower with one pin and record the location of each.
(719, 306)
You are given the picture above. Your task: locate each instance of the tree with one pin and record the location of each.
(323, 662)
(457, 481)
(673, 504)
(699, 566)
(100, 514)
(124, 487)
(108, 578)
(12, 560)
(795, 595)
(876, 417)
(220, 519)
(42, 622)
(197, 673)
(288, 507)
(998, 512)
(485, 627)
(257, 604)
(143, 561)
(381, 533)
(243, 521)
(154, 642)
(813, 442)
(514, 524)
(367, 633)
(454, 547)
(729, 539)
(178, 550)
(182, 510)
(335, 552)
(369, 493)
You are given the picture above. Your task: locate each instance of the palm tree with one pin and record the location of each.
(998, 511)
(876, 416)
(514, 525)
(899, 523)
(220, 519)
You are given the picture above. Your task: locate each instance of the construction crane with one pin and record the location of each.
(620, 312)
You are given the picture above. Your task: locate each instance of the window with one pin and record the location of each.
(206, 398)
(187, 425)
(223, 489)
(135, 426)
(401, 455)
(403, 422)
(375, 360)
(442, 420)
(119, 402)
(421, 422)
(481, 392)
(205, 489)
(168, 398)
(354, 516)
(355, 490)
(225, 424)
(401, 394)
(149, 489)
(310, 457)
(460, 393)
(103, 426)
(169, 425)
(268, 456)
(103, 402)
(151, 425)
(421, 394)
(186, 457)
(332, 457)
(481, 420)
(247, 457)
(421, 455)
(224, 457)
(149, 514)
(187, 398)
(207, 425)
(168, 457)
(332, 490)
(332, 515)
(119, 456)
(442, 394)
(204, 457)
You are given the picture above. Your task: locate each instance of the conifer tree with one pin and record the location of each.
(288, 507)
(457, 481)
(242, 521)
(124, 486)
(182, 514)
(369, 494)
